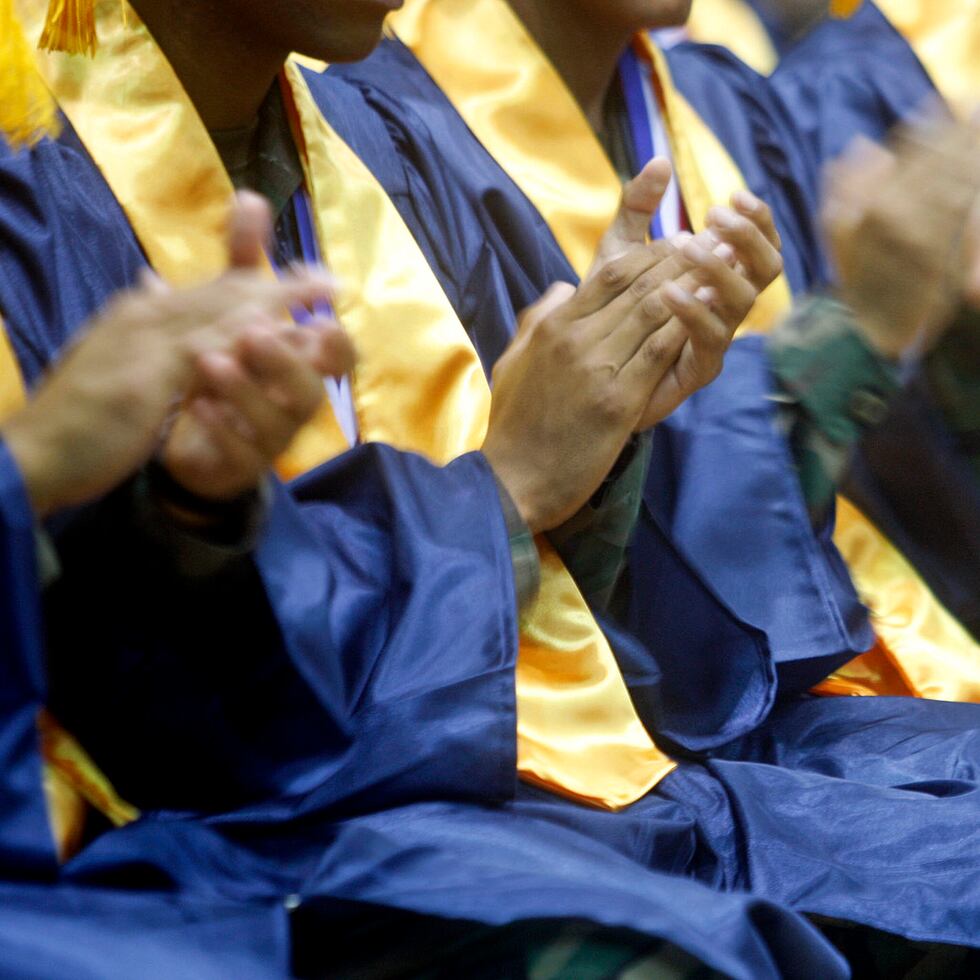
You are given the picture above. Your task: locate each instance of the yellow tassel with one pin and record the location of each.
(70, 26)
(26, 109)
(842, 9)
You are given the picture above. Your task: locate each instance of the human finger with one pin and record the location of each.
(672, 264)
(282, 372)
(249, 230)
(325, 345)
(258, 419)
(632, 317)
(617, 276)
(760, 259)
(759, 213)
(640, 201)
(222, 462)
(734, 293)
(705, 339)
(213, 316)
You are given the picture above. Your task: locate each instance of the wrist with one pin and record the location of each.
(191, 509)
(884, 341)
(37, 464)
(518, 488)
(880, 332)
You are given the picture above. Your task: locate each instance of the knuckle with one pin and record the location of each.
(642, 285)
(654, 353)
(609, 404)
(562, 343)
(613, 275)
(652, 307)
(661, 249)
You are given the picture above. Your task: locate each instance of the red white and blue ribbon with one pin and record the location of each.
(650, 137)
(338, 390)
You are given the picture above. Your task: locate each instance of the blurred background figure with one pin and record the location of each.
(944, 33)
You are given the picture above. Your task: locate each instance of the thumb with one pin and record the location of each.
(640, 202)
(249, 230)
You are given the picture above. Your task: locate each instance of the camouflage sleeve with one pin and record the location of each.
(832, 388)
(953, 373)
(523, 551)
(593, 543)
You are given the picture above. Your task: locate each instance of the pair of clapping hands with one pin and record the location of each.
(651, 323)
(209, 378)
(648, 326)
(590, 365)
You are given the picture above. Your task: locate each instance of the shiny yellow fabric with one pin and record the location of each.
(72, 763)
(71, 779)
(946, 36)
(931, 650)
(735, 25)
(515, 103)
(875, 673)
(518, 106)
(26, 108)
(578, 732)
(707, 175)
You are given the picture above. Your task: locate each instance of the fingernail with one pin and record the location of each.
(725, 252)
(746, 200)
(677, 295)
(723, 218)
(695, 252)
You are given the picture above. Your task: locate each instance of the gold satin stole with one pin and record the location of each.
(517, 105)
(578, 732)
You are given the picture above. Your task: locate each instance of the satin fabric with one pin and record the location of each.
(26, 845)
(172, 893)
(733, 24)
(945, 35)
(517, 105)
(391, 778)
(70, 777)
(527, 89)
(50, 930)
(577, 729)
(48, 933)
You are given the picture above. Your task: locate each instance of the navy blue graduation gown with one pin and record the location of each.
(322, 696)
(51, 929)
(776, 134)
(426, 794)
(26, 847)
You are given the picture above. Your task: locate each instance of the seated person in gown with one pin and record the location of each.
(350, 572)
